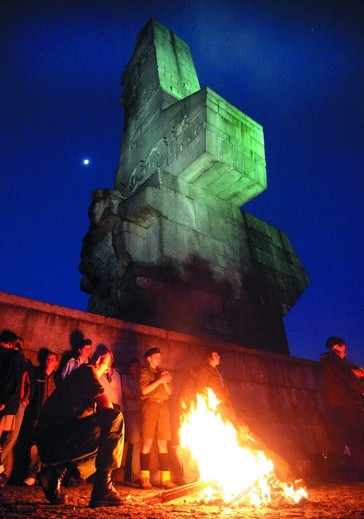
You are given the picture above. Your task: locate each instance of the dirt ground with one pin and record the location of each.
(330, 500)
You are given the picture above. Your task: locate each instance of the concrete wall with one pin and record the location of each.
(282, 398)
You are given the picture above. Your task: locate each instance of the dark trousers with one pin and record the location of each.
(99, 435)
(353, 418)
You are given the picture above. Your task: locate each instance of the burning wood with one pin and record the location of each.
(241, 476)
(175, 493)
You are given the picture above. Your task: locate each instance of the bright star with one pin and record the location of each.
(86, 162)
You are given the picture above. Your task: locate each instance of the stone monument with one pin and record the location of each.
(169, 246)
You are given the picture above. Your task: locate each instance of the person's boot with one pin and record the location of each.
(103, 492)
(50, 479)
(3, 478)
(145, 479)
(166, 480)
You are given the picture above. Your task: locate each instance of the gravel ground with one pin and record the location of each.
(331, 501)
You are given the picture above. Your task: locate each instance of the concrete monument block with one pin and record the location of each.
(169, 245)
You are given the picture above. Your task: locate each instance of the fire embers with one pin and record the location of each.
(242, 476)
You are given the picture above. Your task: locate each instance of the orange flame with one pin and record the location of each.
(241, 475)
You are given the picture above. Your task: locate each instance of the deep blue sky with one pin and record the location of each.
(296, 67)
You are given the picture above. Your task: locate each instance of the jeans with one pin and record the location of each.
(98, 437)
(8, 445)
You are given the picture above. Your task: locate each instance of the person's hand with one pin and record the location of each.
(166, 377)
(2, 406)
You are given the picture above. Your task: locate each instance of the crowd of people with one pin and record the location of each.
(82, 419)
(76, 417)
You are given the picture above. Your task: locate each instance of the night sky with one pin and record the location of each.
(296, 67)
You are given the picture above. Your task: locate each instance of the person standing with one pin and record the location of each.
(10, 451)
(78, 425)
(209, 376)
(45, 384)
(345, 388)
(12, 369)
(82, 357)
(132, 413)
(111, 381)
(155, 387)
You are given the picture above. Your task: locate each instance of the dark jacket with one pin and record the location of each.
(39, 397)
(12, 367)
(344, 388)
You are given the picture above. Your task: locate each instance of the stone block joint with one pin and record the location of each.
(168, 246)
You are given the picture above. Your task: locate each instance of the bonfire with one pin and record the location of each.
(240, 475)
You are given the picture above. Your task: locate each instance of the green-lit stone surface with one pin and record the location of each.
(177, 127)
(170, 246)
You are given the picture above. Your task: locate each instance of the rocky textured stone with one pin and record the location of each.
(169, 245)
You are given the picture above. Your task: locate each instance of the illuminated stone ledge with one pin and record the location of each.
(170, 246)
(173, 125)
